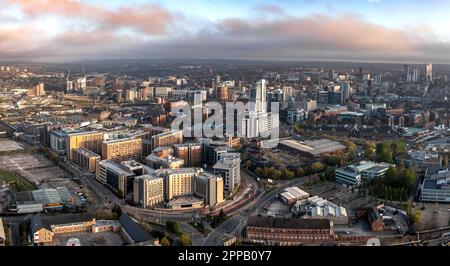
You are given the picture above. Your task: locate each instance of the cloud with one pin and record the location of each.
(149, 19)
(150, 31)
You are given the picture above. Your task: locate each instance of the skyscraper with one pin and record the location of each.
(429, 72)
(258, 102)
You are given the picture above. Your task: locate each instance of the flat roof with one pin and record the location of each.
(136, 233)
(292, 223)
(314, 147)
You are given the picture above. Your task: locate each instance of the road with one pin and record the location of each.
(236, 223)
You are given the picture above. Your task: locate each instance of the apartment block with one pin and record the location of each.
(122, 149)
(91, 140)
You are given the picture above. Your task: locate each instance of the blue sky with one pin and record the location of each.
(391, 30)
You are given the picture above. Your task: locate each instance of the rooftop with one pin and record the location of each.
(271, 222)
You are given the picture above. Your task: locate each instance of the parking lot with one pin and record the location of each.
(276, 208)
(36, 168)
(432, 215)
(10, 145)
(89, 239)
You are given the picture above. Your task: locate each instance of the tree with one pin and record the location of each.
(317, 167)
(165, 241)
(398, 147)
(258, 171)
(417, 217)
(185, 240)
(248, 164)
(390, 175)
(173, 227)
(384, 152)
(409, 179)
(445, 161)
(299, 171)
(369, 149)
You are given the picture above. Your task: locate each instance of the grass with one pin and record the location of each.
(16, 182)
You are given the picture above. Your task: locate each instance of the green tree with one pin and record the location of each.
(299, 171)
(185, 240)
(390, 175)
(165, 241)
(173, 227)
(445, 161)
(384, 152)
(369, 149)
(398, 147)
(258, 171)
(317, 167)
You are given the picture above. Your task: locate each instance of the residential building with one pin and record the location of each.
(86, 159)
(148, 190)
(91, 140)
(190, 153)
(228, 167)
(209, 187)
(122, 149)
(167, 139)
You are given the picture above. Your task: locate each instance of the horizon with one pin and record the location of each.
(307, 30)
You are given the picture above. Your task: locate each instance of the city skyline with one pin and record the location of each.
(364, 30)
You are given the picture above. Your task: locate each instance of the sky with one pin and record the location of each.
(334, 30)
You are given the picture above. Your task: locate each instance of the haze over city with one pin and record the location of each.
(356, 30)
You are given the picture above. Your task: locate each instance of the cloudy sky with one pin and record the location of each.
(354, 30)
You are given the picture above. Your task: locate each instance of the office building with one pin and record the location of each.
(91, 140)
(148, 190)
(354, 174)
(122, 149)
(436, 185)
(116, 177)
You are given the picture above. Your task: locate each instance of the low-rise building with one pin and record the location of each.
(354, 174)
(291, 195)
(312, 148)
(285, 232)
(43, 228)
(436, 185)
